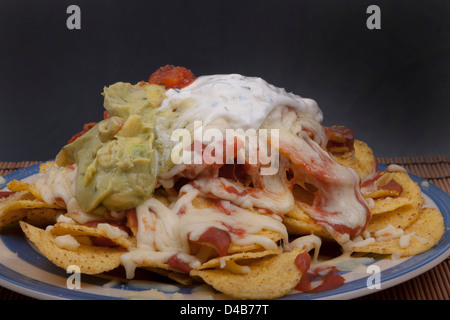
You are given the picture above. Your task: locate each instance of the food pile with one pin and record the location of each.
(159, 185)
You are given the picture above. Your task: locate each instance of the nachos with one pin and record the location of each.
(218, 179)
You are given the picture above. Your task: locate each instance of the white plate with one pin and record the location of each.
(24, 270)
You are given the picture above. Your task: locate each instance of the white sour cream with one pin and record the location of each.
(243, 102)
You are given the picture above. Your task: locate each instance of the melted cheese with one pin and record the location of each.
(405, 240)
(57, 186)
(275, 196)
(111, 231)
(166, 230)
(388, 232)
(338, 204)
(67, 242)
(308, 243)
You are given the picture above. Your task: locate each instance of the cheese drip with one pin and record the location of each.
(338, 203)
(166, 230)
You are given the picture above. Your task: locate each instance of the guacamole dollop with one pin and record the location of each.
(116, 159)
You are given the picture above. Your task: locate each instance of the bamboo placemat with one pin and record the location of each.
(431, 285)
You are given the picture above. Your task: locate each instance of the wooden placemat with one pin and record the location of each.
(431, 285)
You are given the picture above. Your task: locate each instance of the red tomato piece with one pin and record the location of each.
(172, 77)
(178, 264)
(218, 238)
(6, 194)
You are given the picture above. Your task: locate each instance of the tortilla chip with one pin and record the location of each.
(362, 159)
(202, 203)
(398, 211)
(62, 228)
(272, 235)
(42, 217)
(410, 195)
(181, 278)
(43, 167)
(365, 157)
(411, 189)
(388, 204)
(19, 195)
(200, 249)
(399, 218)
(216, 262)
(298, 222)
(19, 205)
(426, 232)
(18, 185)
(90, 259)
(9, 212)
(269, 278)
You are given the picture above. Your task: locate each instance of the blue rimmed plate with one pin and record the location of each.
(24, 270)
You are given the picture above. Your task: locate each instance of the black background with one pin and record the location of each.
(392, 86)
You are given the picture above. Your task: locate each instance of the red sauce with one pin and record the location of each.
(236, 231)
(132, 221)
(182, 210)
(6, 194)
(339, 136)
(71, 165)
(339, 133)
(303, 262)
(315, 167)
(330, 280)
(172, 77)
(321, 218)
(321, 171)
(371, 181)
(393, 186)
(103, 241)
(60, 202)
(221, 208)
(218, 238)
(180, 265)
(233, 190)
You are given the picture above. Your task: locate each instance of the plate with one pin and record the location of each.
(24, 270)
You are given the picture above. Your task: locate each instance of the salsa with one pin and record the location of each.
(172, 77)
